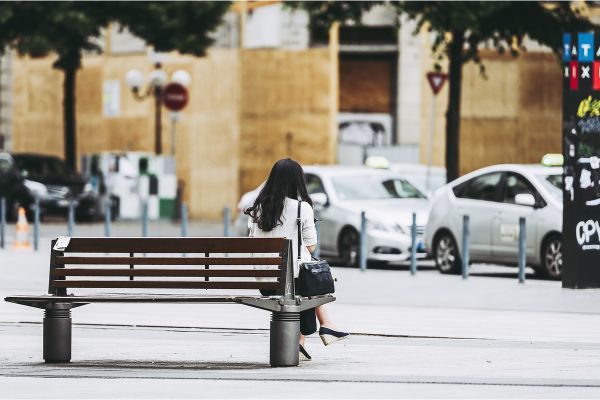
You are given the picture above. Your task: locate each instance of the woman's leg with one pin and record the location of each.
(302, 339)
(323, 318)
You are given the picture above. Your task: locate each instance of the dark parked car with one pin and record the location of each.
(13, 189)
(56, 185)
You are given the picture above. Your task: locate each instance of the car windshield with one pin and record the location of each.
(552, 183)
(43, 167)
(371, 187)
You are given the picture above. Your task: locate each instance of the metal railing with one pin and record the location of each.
(465, 242)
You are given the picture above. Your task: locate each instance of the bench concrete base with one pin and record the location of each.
(284, 337)
(57, 333)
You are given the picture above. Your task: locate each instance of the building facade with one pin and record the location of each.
(269, 89)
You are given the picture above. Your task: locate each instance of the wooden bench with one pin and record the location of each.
(200, 265)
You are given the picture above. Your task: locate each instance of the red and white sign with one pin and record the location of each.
(175, 96)
(436, 81)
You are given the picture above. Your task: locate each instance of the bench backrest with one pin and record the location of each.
(172, 263)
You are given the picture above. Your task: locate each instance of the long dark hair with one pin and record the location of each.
(285, 180)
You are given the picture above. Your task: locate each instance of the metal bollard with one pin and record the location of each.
(522, 249)
(362, 240)
(2, 221)
(36, 224)
(107, 217)
(413, 245)
(145, 219)
(184, 220)
(465, 246)
(226, 220)
(317, 251)
(71, 218)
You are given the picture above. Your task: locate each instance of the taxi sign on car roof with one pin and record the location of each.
(553, 160)
(377, 162)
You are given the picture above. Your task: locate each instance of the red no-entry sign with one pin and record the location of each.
(175, 96)
(436, 81)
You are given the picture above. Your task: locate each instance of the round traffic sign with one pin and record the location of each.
(175, 96)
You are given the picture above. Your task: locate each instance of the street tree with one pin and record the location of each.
(71, 28)
(460, 30)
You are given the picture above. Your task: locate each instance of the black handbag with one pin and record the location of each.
(314, 277)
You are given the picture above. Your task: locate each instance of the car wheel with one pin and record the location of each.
(445, 254)
(349, 248)
(552, 257)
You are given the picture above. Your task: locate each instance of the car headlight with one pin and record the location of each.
(36, 188)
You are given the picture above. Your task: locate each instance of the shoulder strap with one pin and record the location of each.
(299, 223)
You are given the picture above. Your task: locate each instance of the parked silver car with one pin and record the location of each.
(495, 198)
(340, 193)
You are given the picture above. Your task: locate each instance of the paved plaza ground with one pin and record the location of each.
(429, 335)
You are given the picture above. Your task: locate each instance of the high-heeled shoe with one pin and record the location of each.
(304, 356)
(329, 336)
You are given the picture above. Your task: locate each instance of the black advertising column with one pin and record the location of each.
(581, 150)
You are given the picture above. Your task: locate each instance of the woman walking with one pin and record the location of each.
(274, 214)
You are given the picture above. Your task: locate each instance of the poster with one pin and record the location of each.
(111, 98)
(581, 150)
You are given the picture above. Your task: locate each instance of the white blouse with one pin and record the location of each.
(288, 228)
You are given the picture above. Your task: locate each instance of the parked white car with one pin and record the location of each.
(494, 198)
(340, 193)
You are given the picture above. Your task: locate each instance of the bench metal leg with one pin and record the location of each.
(285, 333)
(57, 333)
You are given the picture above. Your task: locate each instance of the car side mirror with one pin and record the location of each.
(320, 200)
(525, 199)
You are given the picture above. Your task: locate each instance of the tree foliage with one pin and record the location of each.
(502, 26)
(461, 29)
(69, 28)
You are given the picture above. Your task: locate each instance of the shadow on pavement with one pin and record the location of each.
(510, 275)
(428, 266)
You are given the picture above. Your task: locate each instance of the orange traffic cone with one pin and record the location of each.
(22, 232)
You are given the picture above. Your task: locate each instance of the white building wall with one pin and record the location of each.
(410, 80)
(275, 26)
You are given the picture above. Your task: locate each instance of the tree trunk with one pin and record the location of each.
(69, 117)
(455, 54)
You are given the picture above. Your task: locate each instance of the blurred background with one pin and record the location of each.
(141, 107)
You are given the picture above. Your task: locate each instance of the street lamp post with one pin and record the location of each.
(156, 83)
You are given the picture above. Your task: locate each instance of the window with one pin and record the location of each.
(314, 184)
(43, 167)
(483, 187)
(552, 183)
(361, 187)
(5, 167)
(517, 184)
(402, 189)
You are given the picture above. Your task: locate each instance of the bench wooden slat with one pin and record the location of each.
(272, 273)
(176, 245)
(165, 285)
(62, 260)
